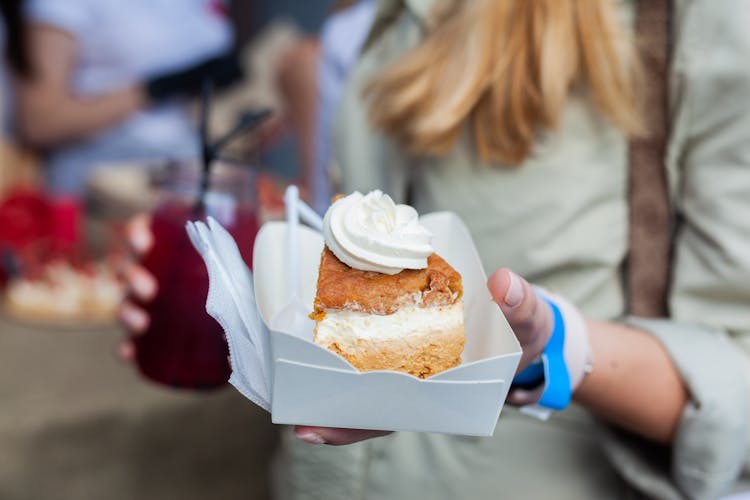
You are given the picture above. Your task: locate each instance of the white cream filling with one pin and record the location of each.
(345, 326)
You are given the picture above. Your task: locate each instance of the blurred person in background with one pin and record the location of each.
(107, 81)
(3, 85)
(516, 115)
(341, 40)
(311, 76)
(18, 166)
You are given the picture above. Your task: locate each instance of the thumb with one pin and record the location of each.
(529, 316)
(334, 436)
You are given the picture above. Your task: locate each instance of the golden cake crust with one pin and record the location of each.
(421, 356)
(341, 287)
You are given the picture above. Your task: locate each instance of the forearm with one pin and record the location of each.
(48, 120)
(49, 112)
(634, 383)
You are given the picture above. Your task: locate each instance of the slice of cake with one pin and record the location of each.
(385, 300)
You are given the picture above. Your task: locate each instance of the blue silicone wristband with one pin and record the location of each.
(551, 370)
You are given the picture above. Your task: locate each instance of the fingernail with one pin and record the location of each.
(311, 437)
(126, 351)
(515, 293)
(134, 318)
(518, 395)
(141, 241)
(144, 286)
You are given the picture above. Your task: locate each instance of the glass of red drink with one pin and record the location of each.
(184, 347)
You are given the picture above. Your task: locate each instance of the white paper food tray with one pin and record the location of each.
(311, 385)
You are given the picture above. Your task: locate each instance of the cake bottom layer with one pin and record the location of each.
(427, 347)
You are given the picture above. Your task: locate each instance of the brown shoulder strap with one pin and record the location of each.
(648, 267)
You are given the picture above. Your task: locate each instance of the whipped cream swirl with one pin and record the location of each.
(371, 233)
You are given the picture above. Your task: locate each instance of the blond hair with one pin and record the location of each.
(506, 67)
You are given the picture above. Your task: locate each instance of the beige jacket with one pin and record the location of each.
(561, 221)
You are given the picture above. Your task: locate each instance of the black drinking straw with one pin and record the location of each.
(247, 121)
(209, 152)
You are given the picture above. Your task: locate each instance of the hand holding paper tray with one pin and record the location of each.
(279, 367)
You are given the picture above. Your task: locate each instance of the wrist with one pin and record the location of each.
(577, 348)
(136, 97)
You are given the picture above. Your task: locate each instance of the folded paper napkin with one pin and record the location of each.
(231, 302)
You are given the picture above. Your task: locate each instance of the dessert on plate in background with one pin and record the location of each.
(47, 274)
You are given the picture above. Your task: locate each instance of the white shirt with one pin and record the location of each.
(122, 42)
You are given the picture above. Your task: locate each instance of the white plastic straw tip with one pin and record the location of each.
(310, 216)
(292, 192)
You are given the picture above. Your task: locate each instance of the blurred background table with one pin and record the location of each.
(76, 422)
